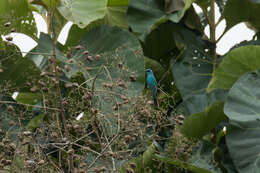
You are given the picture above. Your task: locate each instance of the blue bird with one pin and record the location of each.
(152, 85)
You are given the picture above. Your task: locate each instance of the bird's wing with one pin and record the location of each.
(151, 82)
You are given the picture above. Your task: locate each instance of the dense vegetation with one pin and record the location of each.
(83, 106)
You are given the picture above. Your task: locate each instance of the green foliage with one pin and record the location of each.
(241, 108)
(243, 137)
(83, 12)
(28, 98)
(143, 163)
(202, 157)
(199, 124)
(35, 122)
(13, 72)
(182, 164)
(144, 16)
(233, 15)
(243, 99)
(235, 63)
(15, 13)
(99, 74)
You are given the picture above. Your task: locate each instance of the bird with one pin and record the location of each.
(152, 85)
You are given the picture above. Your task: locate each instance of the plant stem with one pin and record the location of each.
(219, 20)
(213, 33)
(57, 82)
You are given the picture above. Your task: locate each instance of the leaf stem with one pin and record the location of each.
(224, 32)
(219, 20)
(213, 33)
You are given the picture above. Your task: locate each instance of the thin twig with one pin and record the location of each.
(36, 106)
(94, 80)
(109, 144)
(205, 12)
(54, 165)
(224, 32)
(87, 148)
(35, 53)
(105, 148)
(112, 158)
(219, 20)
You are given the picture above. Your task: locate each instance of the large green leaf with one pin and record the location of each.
(198, 102)
(20, 16)
(83, 12)
(235, 63)
(17, 116)
(182, 164)
(143, 163)
(116, 16)
(35, 122)
(19, 7)
(202, 157)
(244, 99)
(17, 70)
(192, 73)
(86, 12)
(144, 16)
(28, 98)
(193, 60)
(76, 33)
(243, 133)
(157, 44)
(114, 46)
(199, 124)
(194, 21)
(244, 146)
(233, 15)
(173, 5)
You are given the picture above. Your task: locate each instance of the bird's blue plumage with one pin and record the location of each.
(152, 85)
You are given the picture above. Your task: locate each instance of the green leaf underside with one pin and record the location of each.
(243, 101)
(144, 16)
(242, 108)
(203, 157)
(244, 146)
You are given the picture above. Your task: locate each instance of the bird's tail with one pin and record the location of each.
(155, 102)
